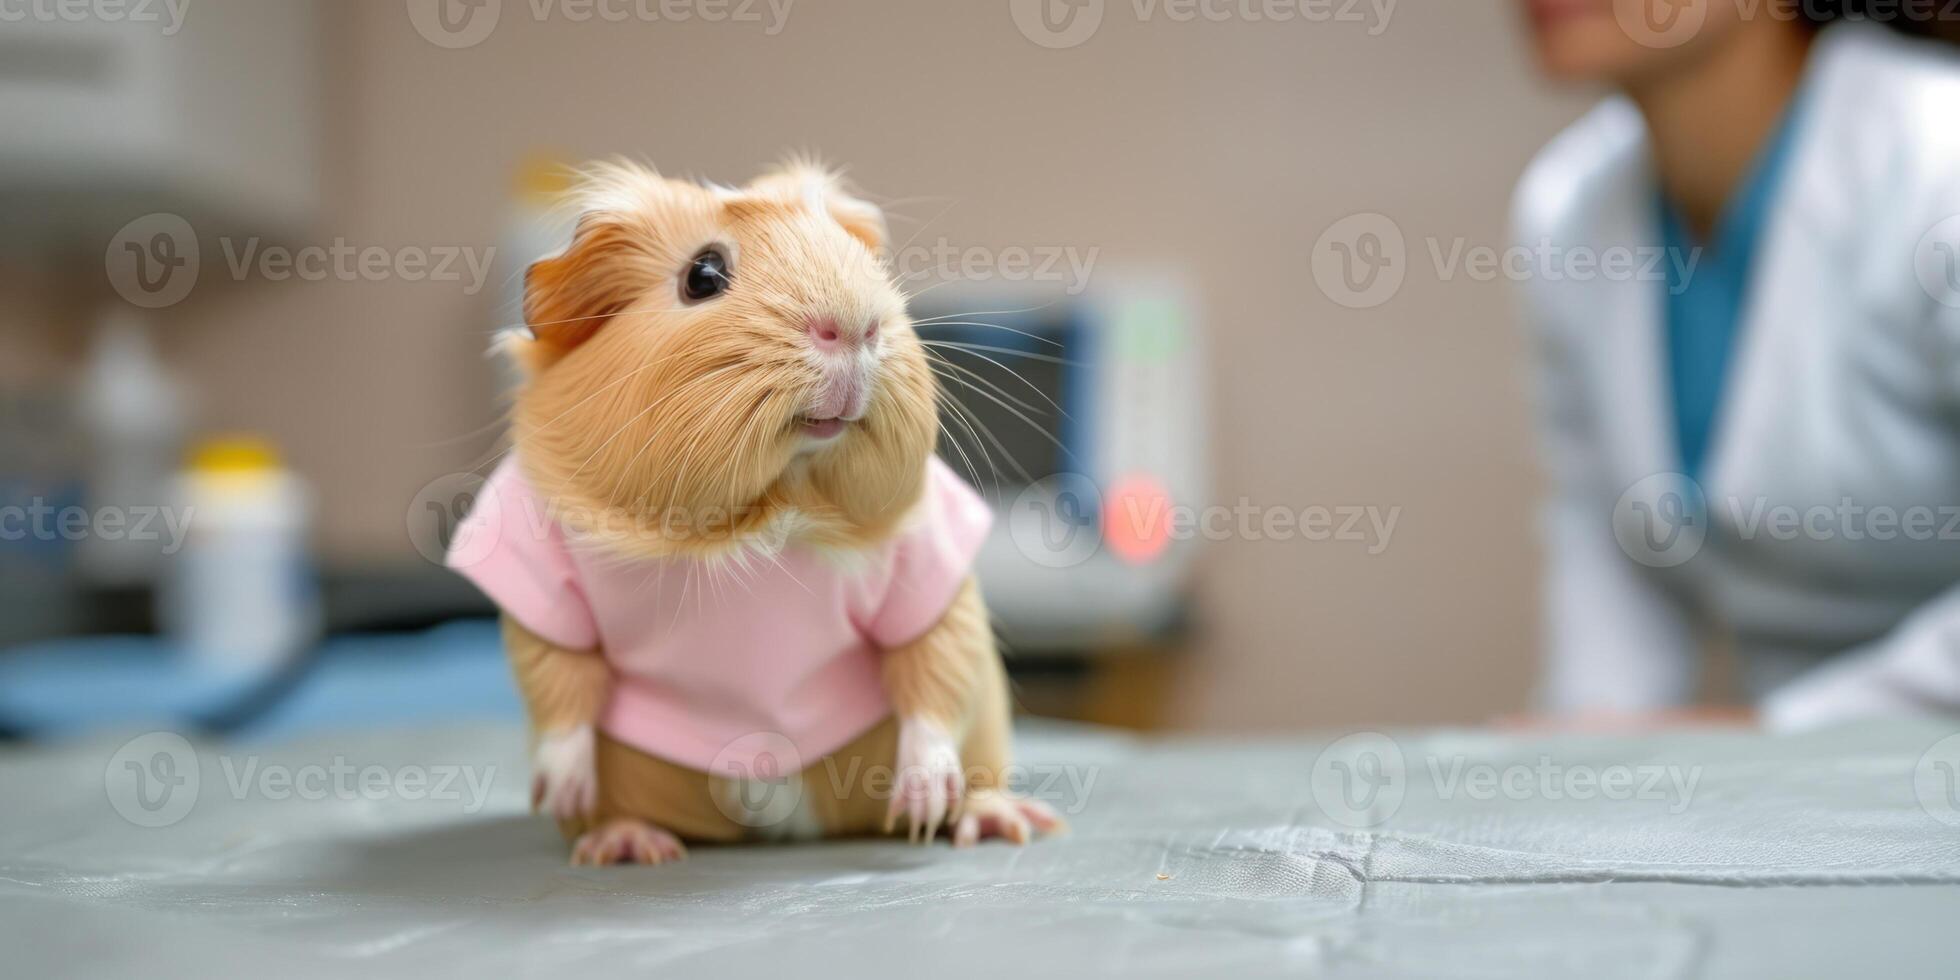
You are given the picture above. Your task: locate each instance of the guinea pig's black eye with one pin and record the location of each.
(707, 277)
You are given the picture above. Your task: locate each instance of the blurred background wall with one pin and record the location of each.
(1221, 149)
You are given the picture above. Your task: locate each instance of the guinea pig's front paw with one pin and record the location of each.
(626, 841)
(563, 781)
(928, 784)
(990, 813)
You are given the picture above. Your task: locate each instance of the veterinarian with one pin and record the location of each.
(1760, 444)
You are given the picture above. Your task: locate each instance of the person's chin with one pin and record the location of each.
(1586, 51)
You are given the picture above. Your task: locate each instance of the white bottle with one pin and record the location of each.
(133, 413)
(241, 596)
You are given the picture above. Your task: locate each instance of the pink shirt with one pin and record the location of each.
(786, 648)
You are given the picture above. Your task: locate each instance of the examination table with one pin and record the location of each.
(1476, 854)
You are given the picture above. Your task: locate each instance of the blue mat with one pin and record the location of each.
(455, 672)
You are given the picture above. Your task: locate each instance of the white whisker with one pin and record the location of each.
(1001, 350)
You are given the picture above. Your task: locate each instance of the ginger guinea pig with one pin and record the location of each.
(736, 583)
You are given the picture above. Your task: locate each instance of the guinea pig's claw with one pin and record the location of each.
(626, 842)
(929, 784)
(566, 784)
(995, 814)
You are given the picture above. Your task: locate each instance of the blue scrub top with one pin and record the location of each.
(1705, 307)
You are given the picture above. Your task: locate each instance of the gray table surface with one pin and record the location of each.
(1477, 854)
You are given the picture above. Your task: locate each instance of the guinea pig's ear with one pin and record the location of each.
(569, 296)
(861, 218)
(825, 191)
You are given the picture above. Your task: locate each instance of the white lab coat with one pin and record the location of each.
(1842, 405)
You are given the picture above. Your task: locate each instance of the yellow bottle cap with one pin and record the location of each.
(543, 178)
(234, 454)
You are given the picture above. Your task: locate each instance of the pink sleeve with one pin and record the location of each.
(514, 550)
(931, 559)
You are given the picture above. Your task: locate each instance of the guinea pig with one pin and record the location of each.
(736, 582)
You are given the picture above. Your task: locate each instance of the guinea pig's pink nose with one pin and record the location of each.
(823, 330)
(829, 336)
